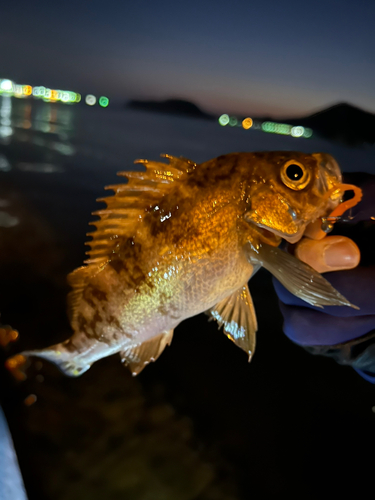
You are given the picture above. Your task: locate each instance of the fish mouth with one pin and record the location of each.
(295, 237)
(273, 237)
(275, 223)
(267, 235)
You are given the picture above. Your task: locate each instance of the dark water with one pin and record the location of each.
(201, 423)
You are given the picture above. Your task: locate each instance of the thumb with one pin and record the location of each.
(333, 253)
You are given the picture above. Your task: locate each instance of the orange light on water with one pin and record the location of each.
(30, 400)
(27, 90)
(16, 361)
(247, 123)
(7, 335)
(15, 365)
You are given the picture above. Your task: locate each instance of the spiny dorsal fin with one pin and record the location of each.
(125, 210)
(236, 314)
(138, 356)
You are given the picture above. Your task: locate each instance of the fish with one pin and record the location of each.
(180, 238)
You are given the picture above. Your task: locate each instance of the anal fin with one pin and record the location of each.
(236, 314)
(136, 357)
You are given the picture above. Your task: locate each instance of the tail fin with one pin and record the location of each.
(68, 362)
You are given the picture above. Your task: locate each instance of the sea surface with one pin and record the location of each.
(201, 423)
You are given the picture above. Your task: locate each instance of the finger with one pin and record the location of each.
(333, 253)
(308, 327)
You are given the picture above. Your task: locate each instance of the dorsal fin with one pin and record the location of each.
(124, 211)
(126, 208)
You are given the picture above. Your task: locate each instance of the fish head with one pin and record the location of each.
(289, 190)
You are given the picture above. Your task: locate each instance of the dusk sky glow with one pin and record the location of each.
(276, 58)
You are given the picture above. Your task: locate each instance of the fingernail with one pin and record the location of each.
(342, 254)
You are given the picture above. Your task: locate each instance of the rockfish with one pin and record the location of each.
(180, 238)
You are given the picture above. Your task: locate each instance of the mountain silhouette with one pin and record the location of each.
(341, 122)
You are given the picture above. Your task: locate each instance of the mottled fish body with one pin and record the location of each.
(179, 239)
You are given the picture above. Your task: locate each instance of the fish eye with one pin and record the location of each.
(295, 175)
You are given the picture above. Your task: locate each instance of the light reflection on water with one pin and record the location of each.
(4, 202)
(5, 166)
(43, 124)
(42, 227)
(5, 117)
(47, 168)
(113, 139)
(8, 220)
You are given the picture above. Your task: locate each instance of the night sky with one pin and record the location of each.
(269, 57)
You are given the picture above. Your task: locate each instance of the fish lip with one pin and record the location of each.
(278, 235)
(294, 238)
(274, 235)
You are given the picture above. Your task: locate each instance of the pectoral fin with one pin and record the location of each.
(299, 278)
(236, 314)
(136, 357)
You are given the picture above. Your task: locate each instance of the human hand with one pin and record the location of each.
(346, 334)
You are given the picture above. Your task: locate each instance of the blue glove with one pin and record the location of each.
(346, 334)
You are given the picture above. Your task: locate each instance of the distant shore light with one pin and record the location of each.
(297, 131)
(90, 100)
(224, 120)
(233, 121)
(10, 88)
(269, 127)
(17, 89)
(6, 85)
(283, 128)
(103, 101)
(27, 90)
(247, 123)
(39, 91)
